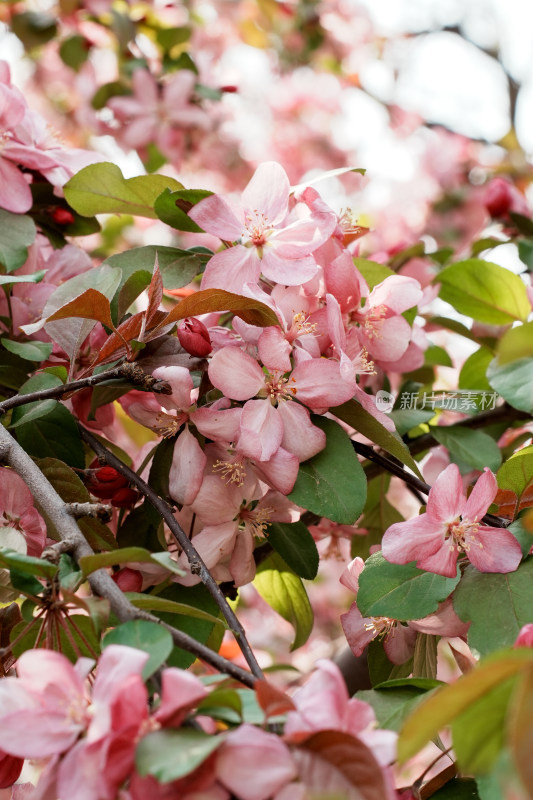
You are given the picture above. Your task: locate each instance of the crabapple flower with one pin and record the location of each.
(270, 239)
(525, 637)
(398, 638)
(451, 526)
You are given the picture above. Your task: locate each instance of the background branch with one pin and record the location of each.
(50, 504)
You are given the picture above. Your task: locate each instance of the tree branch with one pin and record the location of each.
(127, 370)
(50, 504)
(197, 564)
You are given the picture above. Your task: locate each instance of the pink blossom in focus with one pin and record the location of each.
(271, 240)
(451, 526)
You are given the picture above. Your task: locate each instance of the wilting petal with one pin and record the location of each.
(187, 469)
(481, 497)
(494, 550)
(357, 635)
(236, 374)
(446, 499)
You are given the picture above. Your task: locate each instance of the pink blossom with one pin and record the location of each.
(451, 526)
(23, 527)
(525, 637)
(254, 764)
(270, 239)
(398, 639)
(323, 704)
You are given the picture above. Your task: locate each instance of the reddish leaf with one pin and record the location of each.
(127, 331)
(89, 305)
(339, 764)
(273, 701)
(155, 294)
(251, 311)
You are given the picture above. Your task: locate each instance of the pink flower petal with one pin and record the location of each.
(353, 624)
(413, 540)
(494, 550)
(319, 384)
(268, 192)
(287, 271)
(280, 471)
(180, 692)
(399, 644)
(216, 216)
(187, 468)
(274, 350)
(236, 374)
(446, 500)
(232, 269)
(261, 430)
(481, 497)
(300, 436)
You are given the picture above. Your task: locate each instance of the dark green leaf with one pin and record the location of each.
(128, 555)
(380, 669)
(296, 546)
(392, 705)
(171, 207)
(27, 564)
(55, 434)
(497, 605)
(425, 656)
(74, 51)
(31, 351)
(400, 591)
(33, 28)
(514, 382)
(177, 267)
(332, 484)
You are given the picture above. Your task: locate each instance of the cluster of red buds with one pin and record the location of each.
(108, 484)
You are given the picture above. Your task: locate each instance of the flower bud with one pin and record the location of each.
(129, 580)
(525, 637)
(124, 498)
(10, 769)
(62, 216)
(105, 482)
(194, 337)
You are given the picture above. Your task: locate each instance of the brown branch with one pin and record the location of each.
(128, 371)
(197, 564)
(396, 468)
(52, 507)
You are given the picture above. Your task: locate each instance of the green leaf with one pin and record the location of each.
(436, 355)
(17, 233)
(520, 729)
(55, 434)
(26, 564)
(30, 351)
(484, 291)
(37, 408)
(400, 591)
(143, 635)
(516, 474)
(172, 207)
(203, 630)
(472, 447)
(380, 669)
(74, 51)
(81, 639)
(34, 28)
(393, 704)
(127, 555)
(296, 546)
(473, 373)
(153, 602)
(406, 419)
(525, 252)
(357, 417)
(130, 291)
(332, 484)
(376, 520)
(140, 529)
(479, 732)
(497, 605)
(284, 591)
(34, 277)
(516, 343)
(171, 754)
(458, 789)
(98, 535)
(102, 189)
(177, 267)
(447, 703)
(514, 382)
(372, 271)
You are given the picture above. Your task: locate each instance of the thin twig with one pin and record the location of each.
(196, 563)
(52, 507)
(395, 468)
(127, 371)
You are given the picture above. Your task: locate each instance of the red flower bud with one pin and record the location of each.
(129, 580)
(124, 498)
(10, 769)
(105, 482)
(525, 637)
(62, 216)
(194, 337)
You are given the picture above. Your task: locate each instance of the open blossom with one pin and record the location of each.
(452, 526)
(398, 638)
(21, 526)
(270, 239)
